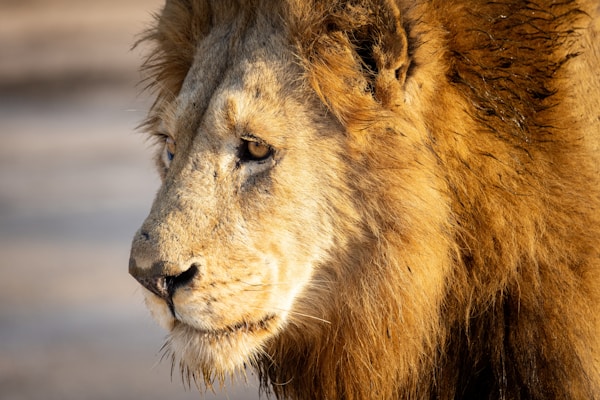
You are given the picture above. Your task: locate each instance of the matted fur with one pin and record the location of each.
(428, 224)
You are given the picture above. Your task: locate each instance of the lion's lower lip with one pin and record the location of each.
(244, 327)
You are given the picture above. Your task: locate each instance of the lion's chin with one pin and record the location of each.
(217, 353)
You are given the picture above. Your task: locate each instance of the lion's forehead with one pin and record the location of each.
(239, 91)
(236, 72)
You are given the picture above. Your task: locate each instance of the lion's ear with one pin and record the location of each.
(355, 53)
(383, 49)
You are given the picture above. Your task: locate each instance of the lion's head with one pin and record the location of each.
(347, 208)
(251, 204)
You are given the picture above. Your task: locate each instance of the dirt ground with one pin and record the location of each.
(76, 181)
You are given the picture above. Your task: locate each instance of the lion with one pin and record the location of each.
(378, 199)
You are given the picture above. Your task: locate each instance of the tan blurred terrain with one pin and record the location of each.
(76, 180)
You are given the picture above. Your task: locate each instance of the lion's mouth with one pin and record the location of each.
(243, 328)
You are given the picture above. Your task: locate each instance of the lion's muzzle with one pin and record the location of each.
(161, 277)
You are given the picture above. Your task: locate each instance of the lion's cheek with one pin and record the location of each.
(207, 310)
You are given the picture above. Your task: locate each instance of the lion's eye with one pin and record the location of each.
(258, 150)
(170, 148)
(255, 151)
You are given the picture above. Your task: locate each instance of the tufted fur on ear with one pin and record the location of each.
(390, 52)
(356, 53)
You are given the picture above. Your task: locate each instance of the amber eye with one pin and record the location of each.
(258, 150)
(170, 148)
(255, 151)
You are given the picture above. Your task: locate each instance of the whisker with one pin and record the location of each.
(323, 281)
(270, 288)
(293, 313)
(310, 316)
(264, 287)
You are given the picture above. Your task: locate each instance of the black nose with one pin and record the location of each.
(164, 286)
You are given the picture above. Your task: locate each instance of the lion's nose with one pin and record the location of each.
(156, 274)
(160, 283)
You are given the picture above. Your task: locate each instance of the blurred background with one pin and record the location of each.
(76, 181)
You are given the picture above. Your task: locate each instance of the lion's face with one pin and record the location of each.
(241, 223)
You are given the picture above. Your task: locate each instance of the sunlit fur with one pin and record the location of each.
(429, 224)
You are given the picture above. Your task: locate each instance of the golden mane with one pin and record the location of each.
(475, 272)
